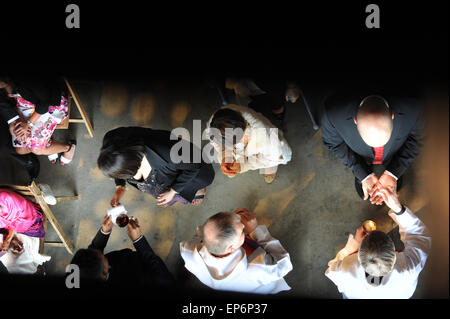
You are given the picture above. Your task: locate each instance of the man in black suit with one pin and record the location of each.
(364, 129)
(123, 267)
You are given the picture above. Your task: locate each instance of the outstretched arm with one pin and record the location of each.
(153, 263)
(101, 238)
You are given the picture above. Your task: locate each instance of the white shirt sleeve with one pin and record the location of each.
(367, 177)
(13, 119)
(389, 173)
(351, 247)
(416, 238)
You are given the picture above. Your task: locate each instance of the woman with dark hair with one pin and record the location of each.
(34, 108)
(253, 142)
(141, 157)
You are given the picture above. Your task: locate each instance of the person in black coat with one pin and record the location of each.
(142, 158)
(270, 98)
(43, 105)
(366, 128)
(124, 266)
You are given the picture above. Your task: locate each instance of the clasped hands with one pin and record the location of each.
(21, 129)
(229, 166)
(372, 186)
(247, 219)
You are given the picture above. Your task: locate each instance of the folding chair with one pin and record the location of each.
(84, 118)
(33, 191)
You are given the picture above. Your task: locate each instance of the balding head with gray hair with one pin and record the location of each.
(220, 232)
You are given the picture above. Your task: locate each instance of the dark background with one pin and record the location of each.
(134, 38)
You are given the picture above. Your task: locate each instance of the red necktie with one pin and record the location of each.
(378, 151)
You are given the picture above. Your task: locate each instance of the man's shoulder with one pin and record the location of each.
(125, 254)
(190, 247)
(342, 105)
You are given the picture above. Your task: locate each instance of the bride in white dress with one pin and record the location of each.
(259, 146)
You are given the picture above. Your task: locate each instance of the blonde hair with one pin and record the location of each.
(377, 254)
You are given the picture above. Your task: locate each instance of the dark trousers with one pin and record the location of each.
(29, 161)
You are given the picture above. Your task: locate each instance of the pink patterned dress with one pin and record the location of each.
(43, 128)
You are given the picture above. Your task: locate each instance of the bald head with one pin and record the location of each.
(374, 121)
(222, 233)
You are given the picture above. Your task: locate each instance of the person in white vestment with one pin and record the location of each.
(231, 252)
(369, 267)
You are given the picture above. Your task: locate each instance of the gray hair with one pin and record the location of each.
(224, 224)
(377, 254)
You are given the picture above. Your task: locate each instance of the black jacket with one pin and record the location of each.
(185, 178)
(341, 136)
(41, 91)
(142, 266)
(3, 269)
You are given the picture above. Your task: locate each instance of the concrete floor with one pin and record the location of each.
(311, 207)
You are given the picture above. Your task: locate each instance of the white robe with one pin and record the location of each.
(262, 272)
(349, 276)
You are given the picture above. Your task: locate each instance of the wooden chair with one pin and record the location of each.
(84, 118)
(33, 192)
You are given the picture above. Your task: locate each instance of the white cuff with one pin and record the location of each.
(104, 232)
(13, 119)
(389, 173)
(134, 242)
(367, 177)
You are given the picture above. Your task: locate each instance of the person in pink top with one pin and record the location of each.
(18, 214)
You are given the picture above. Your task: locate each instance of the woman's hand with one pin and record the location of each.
(165, 198)
(7, 240)
(20, 129)
(120, 190)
